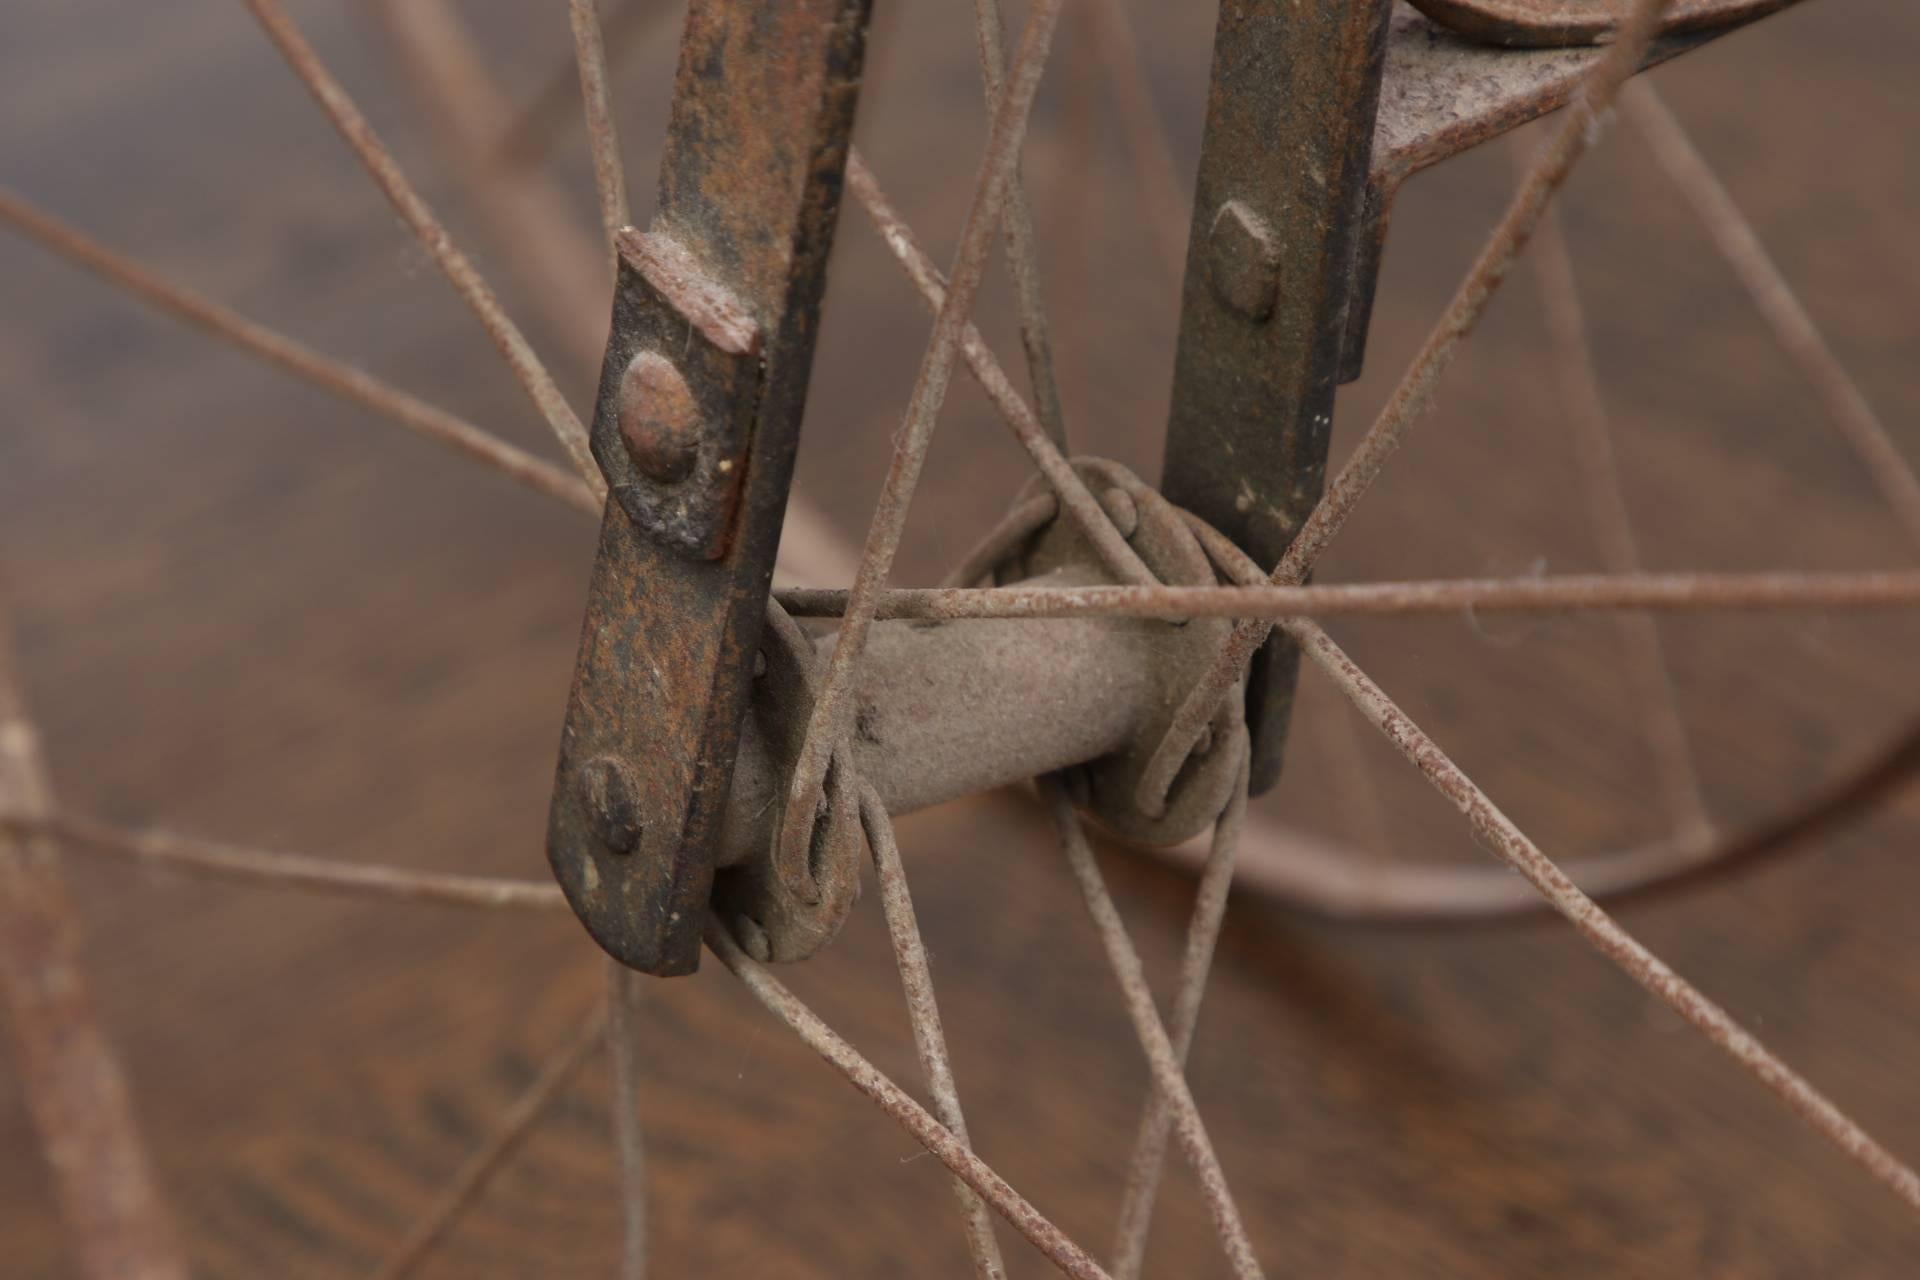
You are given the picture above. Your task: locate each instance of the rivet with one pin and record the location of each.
(1243, 261)
(659, 419)
(612, 801)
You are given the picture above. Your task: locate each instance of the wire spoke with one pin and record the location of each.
(916, 980)
(1653, 693)
(532, 225)
(1596, 926)
(1577, 133)
(1344, 883)
(1313, 874)
(524, 141)
(459, 270)
(303, 362)
(479, 1169)
(773, 996)
(1774, 298)
(70, 1078)
(1668, 592)
(528, 220)
(291, 870)
(1022, 257)
(1169, 1082)
(623, 1032)
(1156, 1120)
(1027, 428)
(609, 177)
(832, 710)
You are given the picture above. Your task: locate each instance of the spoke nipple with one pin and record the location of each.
(659, 419)
(612, 801)
(1122, 510)
(752, 938)
(1243, 261)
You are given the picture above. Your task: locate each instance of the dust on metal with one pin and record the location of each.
(1277, 208)
(1558, 23)
(723, 290)
(1447, 91)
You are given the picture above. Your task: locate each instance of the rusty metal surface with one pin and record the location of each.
(678, 395)
(1109, 785)
(954, 708)
(1560, 23)
(1445, 92)
(1284, 164)
(749, 196)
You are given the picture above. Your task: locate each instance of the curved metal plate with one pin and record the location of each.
(1560, 24)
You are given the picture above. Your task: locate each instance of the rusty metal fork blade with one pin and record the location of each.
(696, 427)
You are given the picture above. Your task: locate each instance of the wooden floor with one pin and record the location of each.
(246, 611)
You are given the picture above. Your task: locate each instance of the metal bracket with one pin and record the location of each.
(696, 428)
(1277, 210)
(686, 356)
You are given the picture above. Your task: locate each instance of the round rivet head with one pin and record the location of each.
(659, 419)
(611, 798)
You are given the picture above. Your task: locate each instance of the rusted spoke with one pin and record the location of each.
(1320, 876)
(623, 1031)
(290, 870)
(460, 271)
(296, 358)
(1596, 926)
(68, 1072)
(833, 708)
(916, 979)
(525, 139)
(1576, 135)
(609, 176)
(1001, 542)
(1169, 1081)
(1670, 592)
(1045, 452)
(1347, 883)
(473, 1176)
(1777, 303)
(773, 995)
(528, 220)
(1022, 257)
(1156, 1120)
(1655, 701)
(531, 224)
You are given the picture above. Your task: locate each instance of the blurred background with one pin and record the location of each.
(245, 610)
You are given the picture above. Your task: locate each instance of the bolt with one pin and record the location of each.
(612, 801)
(659, 420)
(1122, 510)
(1243, 261)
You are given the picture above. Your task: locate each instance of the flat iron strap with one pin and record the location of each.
(696, 427)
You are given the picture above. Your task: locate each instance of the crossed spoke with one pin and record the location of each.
(1261, 600)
